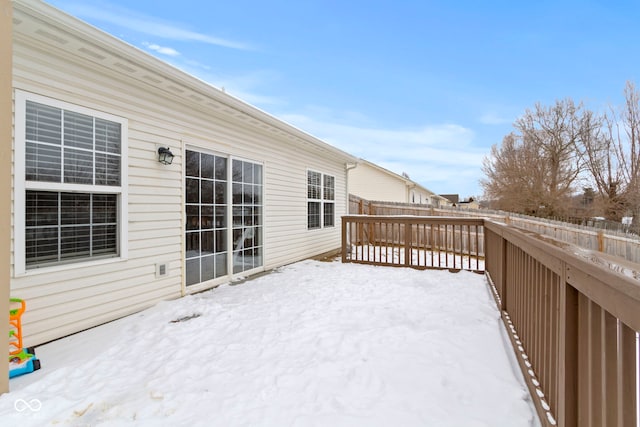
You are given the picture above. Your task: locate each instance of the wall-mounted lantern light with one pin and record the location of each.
(165, 156)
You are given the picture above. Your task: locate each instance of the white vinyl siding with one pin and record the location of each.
(372, 183)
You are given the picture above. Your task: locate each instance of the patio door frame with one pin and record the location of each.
(229, 205)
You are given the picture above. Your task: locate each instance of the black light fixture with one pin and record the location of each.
(165, 156)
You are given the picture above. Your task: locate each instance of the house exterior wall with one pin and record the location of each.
(421, 196)
(84, 67)
(6, 118)
(469, 205)
(372, 183)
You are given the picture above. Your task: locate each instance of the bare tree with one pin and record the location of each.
(600, 152)
(537, 166)
(628, 151)
(552, 148)
(556, 132)
(514, 176)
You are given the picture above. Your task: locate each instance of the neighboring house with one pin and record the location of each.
(102, 229)
(469, 203)
(372, 182)
(420, 195)
(454, 199)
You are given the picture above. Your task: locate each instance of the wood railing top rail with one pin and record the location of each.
(613, 285)
(413, 219)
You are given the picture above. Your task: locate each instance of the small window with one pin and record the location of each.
(67, 226)
(329, 214)
(313, 215)
(320, 200)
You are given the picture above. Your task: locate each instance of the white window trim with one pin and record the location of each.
(20, 184)
(329, 201)
(321, 200)
(306, 189)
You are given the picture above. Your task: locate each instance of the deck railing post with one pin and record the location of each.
(567, 411)
(344, 240)
(407, 243)
(600, 241)
(502, 286)
(628, 367)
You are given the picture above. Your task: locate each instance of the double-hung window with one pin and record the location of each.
(328, 200)
(321, 194)
(70, 201)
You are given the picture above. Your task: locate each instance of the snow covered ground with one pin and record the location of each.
(312, 344)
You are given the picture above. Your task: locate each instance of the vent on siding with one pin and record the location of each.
(153, 79)
(52, 37)
(124, 67)
(162, 269)
(91, 53)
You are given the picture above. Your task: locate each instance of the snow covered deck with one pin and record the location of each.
(312, 344)
(573, 315)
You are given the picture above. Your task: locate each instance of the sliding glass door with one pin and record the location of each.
(206, 214)
(208, 237)
(247, 215)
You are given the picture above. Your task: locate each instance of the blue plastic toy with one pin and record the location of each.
(21, 360)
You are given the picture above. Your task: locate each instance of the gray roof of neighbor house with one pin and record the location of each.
(453, 198)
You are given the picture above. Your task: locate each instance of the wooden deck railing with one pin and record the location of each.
(624, 245)
(573, 317)
(418, 242)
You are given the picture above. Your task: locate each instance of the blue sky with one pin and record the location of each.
(422, 87)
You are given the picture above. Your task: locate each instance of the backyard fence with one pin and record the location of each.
(572, 319)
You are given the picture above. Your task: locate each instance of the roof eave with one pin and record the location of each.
(131, 54)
